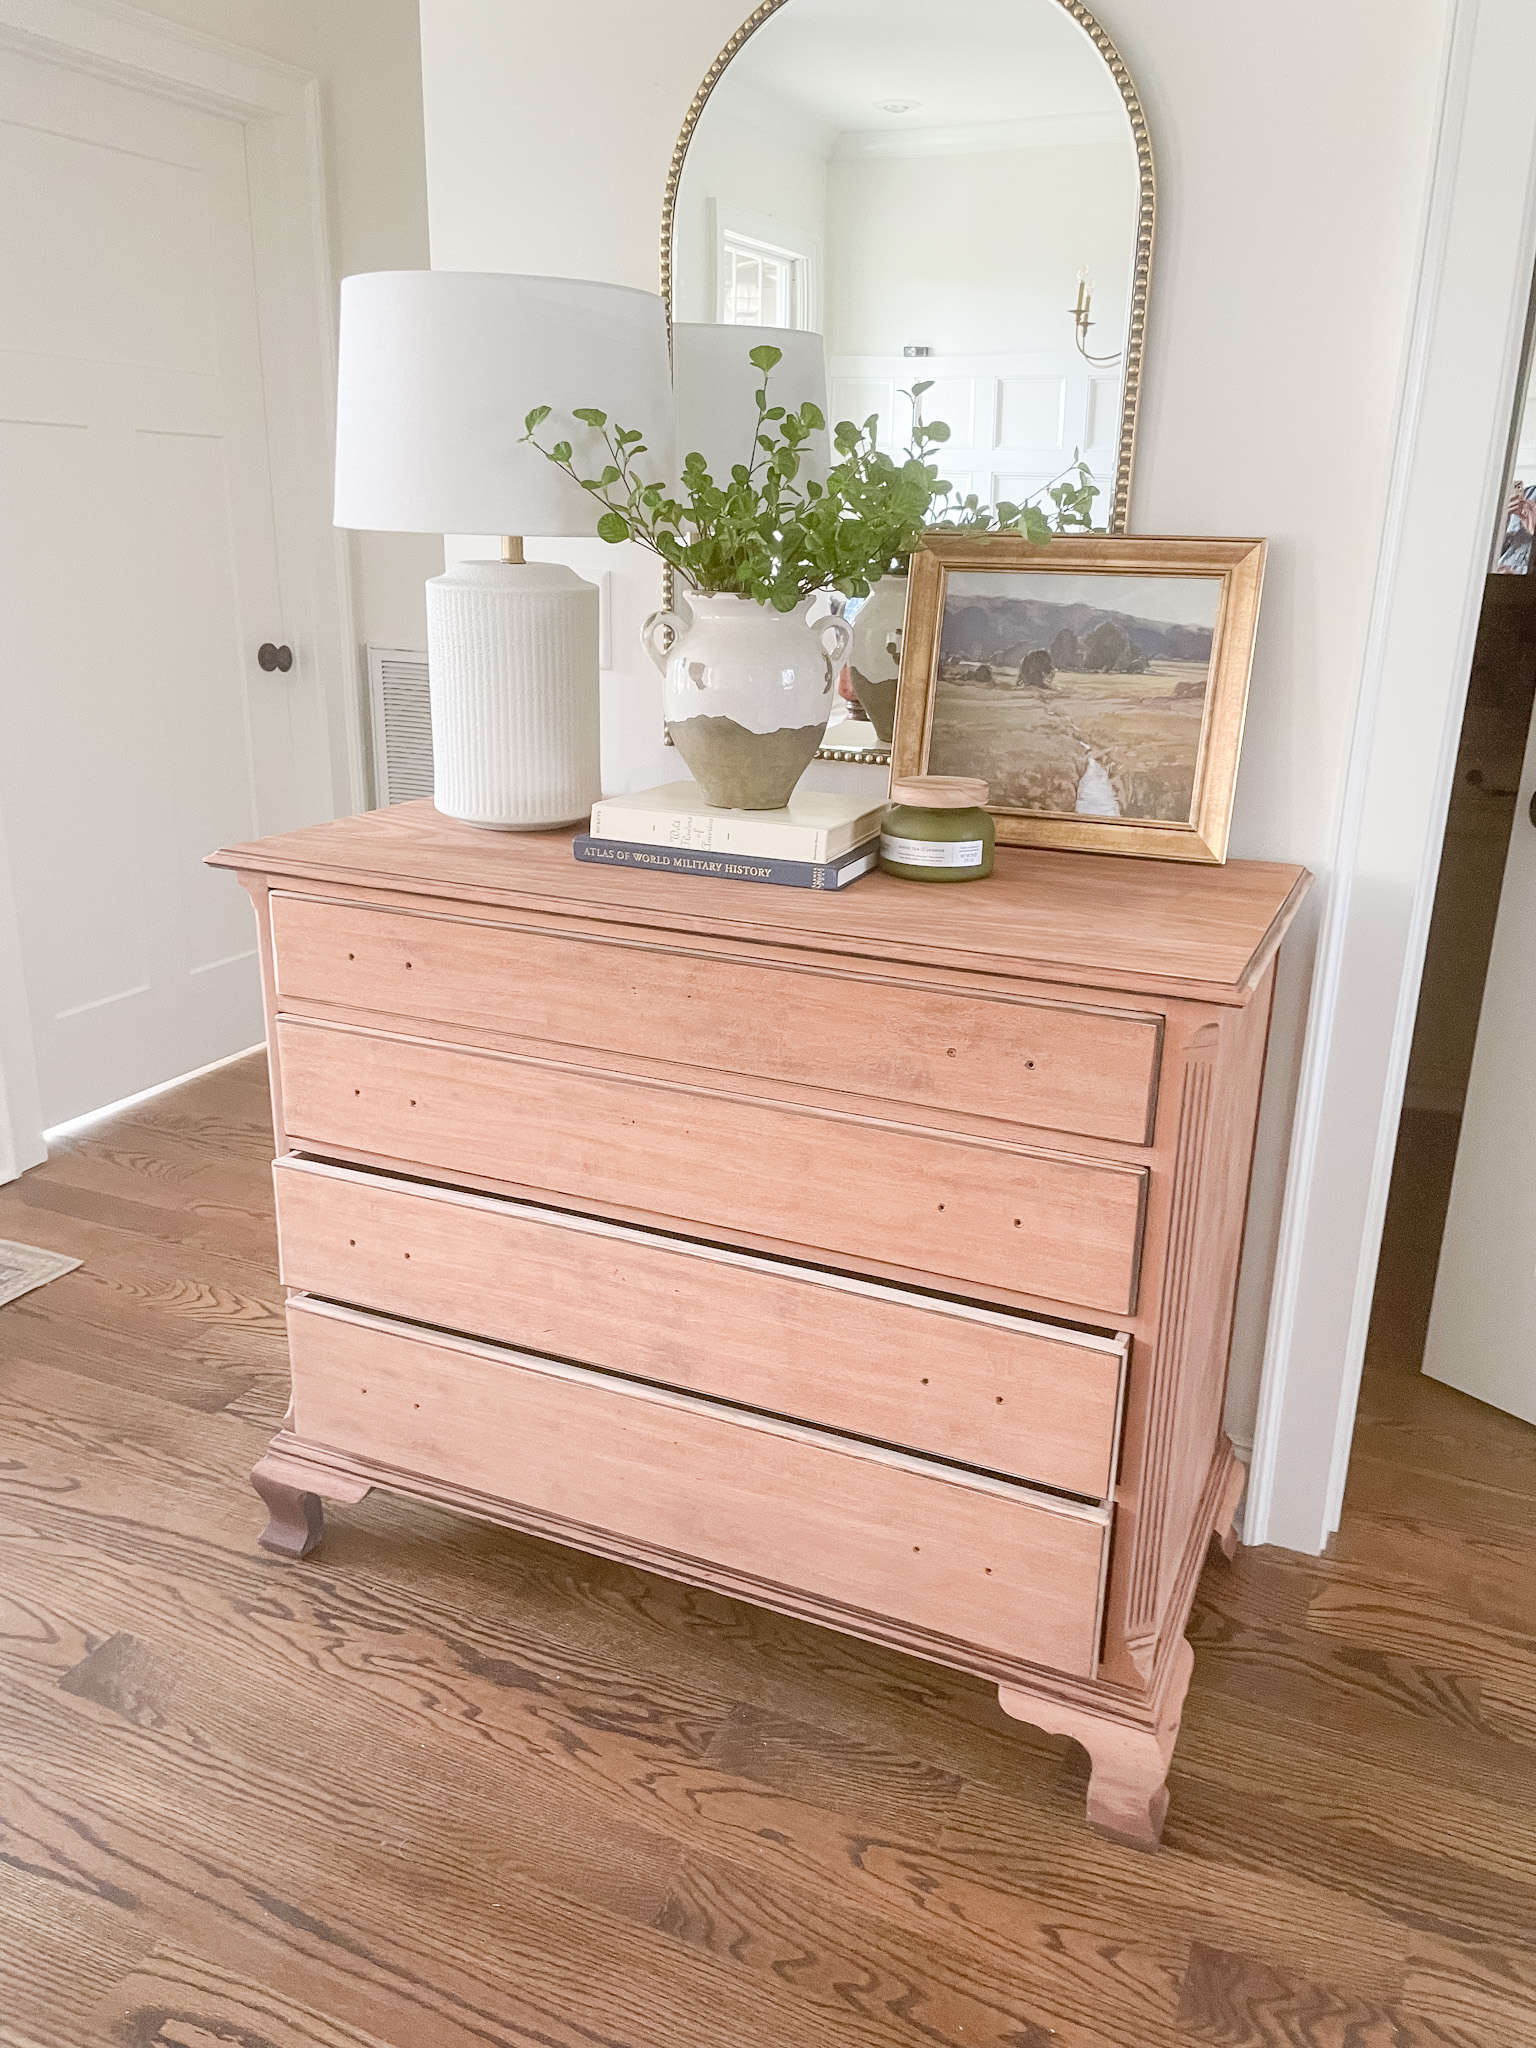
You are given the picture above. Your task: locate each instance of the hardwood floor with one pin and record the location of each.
(443, 1787)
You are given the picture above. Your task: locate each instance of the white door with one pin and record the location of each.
(1014, 420)
(140, 577)
(1482, 1327)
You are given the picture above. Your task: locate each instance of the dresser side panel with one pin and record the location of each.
(1174, 1435)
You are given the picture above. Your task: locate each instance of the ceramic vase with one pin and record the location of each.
(875, 662)
(747, 692)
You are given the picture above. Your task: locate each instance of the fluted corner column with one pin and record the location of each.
(512, 660)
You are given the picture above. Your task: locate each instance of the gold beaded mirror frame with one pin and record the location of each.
(964, 197)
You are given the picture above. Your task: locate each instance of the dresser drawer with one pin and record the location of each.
(959, 1381)
(972, 1210)
(990, 1054)
(778, 1506)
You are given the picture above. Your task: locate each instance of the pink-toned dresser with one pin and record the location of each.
(867, 1255)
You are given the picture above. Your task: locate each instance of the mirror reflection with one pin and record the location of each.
(949, 195)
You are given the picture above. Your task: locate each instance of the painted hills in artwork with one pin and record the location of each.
(1006, 629)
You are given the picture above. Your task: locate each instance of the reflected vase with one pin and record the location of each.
(875, 662)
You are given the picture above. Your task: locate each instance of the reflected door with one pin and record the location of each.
(1016, 421)
(137, 728)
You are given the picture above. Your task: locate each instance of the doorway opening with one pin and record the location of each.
(1454, 1287)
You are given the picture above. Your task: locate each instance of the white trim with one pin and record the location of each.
(21, 1108)
(280, 110)
(68, 1128)
(1468, 323)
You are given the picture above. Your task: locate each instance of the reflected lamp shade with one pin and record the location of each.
(715, 383)
(438, 371)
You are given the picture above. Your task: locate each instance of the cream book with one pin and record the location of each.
(814, 825)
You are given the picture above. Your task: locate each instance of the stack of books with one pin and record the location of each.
(818, 841)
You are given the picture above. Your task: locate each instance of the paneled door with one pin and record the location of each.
(138, 726)
(1482, 1327)
(1014, 420)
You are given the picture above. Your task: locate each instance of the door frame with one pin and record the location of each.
(1476, 260)
(279, 109)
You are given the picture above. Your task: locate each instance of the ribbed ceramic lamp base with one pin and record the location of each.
(512, 658)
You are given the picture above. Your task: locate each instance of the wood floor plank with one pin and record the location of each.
(1235, 2001)
(1000, 1854)
(1440, 1894)
(849, 1966)
(175, 1998)
(60, 1950)
(1402, 1624)
(1406, 1809)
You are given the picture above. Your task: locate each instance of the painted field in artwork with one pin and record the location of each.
(1074, 707)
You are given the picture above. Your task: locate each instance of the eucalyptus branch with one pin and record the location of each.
(777, 538)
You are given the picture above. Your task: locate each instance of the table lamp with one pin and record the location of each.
(437, 372)
(715, 380)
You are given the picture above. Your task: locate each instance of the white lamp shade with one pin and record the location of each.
(438, 370)
(715, 382)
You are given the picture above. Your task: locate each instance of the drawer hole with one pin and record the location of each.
(1029, 1063)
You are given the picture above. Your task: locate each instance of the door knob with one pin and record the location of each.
(270, 657)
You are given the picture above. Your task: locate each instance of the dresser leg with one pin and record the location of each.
(298, 1519)
(1127, 1788)
(1226, 1508)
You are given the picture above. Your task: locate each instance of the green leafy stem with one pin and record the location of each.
(770, 534)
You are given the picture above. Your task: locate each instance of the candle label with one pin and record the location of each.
(932, 853)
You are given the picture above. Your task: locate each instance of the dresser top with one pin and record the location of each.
(1089, 920)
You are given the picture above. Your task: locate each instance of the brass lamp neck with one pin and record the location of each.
(512, 549)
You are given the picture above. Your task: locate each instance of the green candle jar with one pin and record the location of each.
(937, 829)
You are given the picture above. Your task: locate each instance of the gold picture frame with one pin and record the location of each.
(1150, 765)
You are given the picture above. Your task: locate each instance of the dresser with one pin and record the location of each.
(870, 1256)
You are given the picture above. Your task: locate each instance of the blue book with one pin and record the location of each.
(731, 867)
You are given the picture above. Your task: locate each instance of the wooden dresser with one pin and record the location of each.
(870, 1256)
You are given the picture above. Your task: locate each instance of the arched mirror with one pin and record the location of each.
(961, 196)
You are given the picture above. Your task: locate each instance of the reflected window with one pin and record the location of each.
(757, 286)
(766, 271)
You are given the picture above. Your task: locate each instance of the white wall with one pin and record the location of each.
(367, 56)
(978, 253)
(1292, 144)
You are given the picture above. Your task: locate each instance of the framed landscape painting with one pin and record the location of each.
(1096, 682)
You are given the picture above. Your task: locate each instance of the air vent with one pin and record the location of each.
(402, 724)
